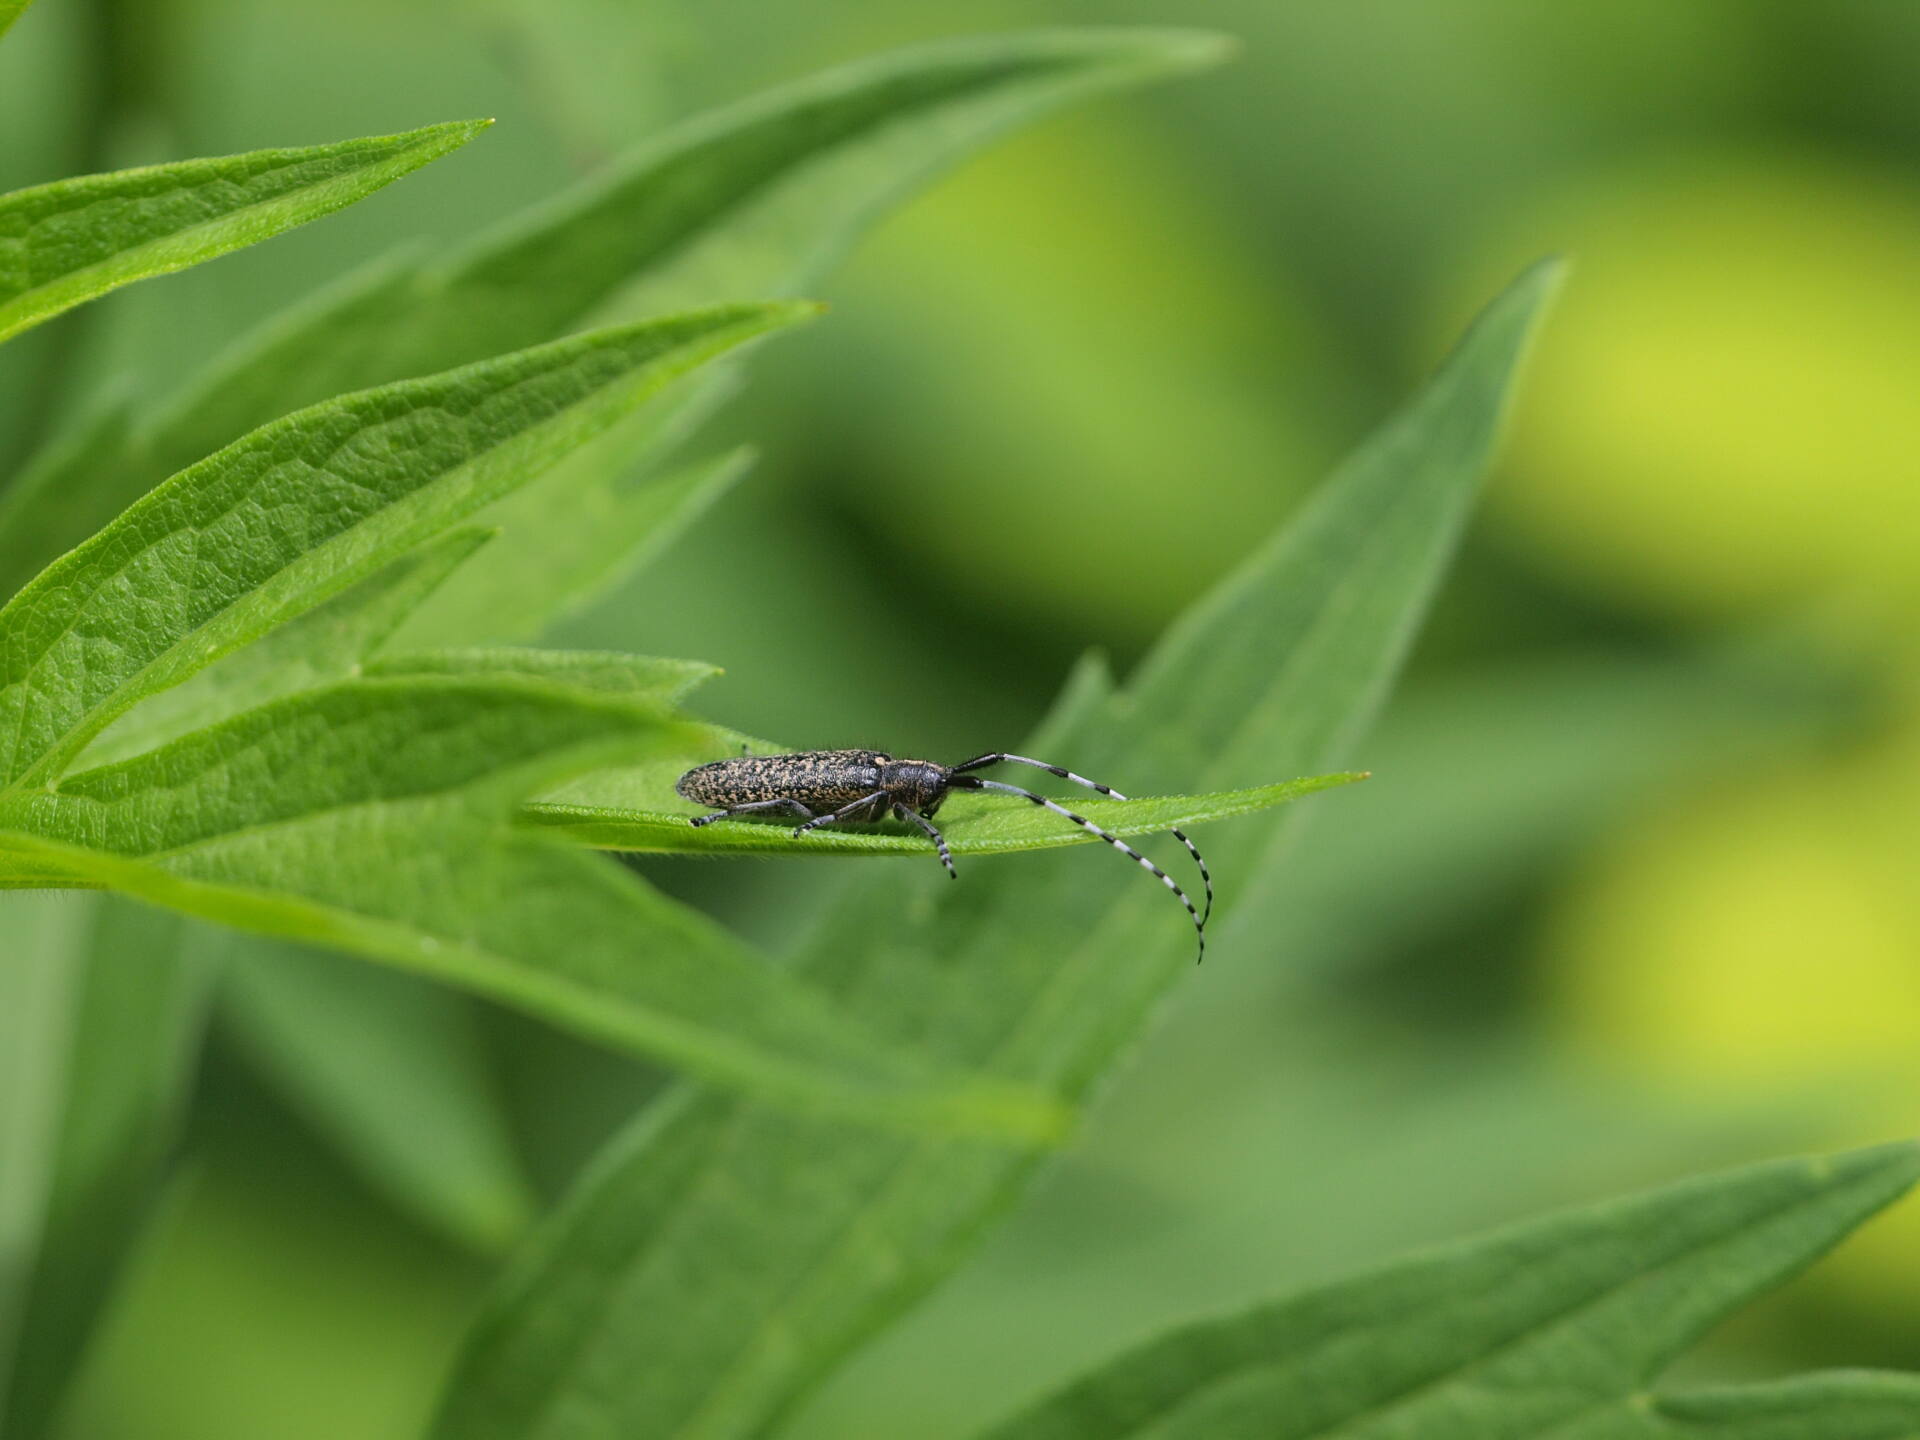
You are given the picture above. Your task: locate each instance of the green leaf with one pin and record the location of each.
(645, 678)
(389, 1069)
(128, 1052)
(811, 1234)
(1555, 1327)
(74, 240)
(767, 194)
(327, 643)
(386, 831)
(295, 512)
(635, 808)
(10, 11)
(763, 196)
(604, 809)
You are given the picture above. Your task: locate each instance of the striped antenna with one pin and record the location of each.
(975, 782)
(999, 757)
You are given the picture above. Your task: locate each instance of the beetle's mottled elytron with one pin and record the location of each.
(828, 787)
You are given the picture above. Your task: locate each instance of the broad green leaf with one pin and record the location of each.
(389, 1069)
(328, 643)
(763, 196)
(1554, 1327)
(646, 678)
(10, 11)
(599, 810)
(288, 516)
(746, 1254)
(129, 1049)
(74, 240)
(376, 817)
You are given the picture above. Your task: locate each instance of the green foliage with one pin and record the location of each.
(757, 200)
(283, 519)
(246, 581)
(1571, 1319)
(374, 784)
(273, 692)
(10, 11)
(749, 1252)
(66, 243)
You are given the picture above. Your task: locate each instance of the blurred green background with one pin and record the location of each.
(1632, 893)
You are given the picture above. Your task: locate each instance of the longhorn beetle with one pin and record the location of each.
(829, 787)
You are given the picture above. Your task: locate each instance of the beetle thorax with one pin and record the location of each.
(918, 784)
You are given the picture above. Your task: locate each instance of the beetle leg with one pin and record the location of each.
(845, 812)
(792, 807)
(907, 813)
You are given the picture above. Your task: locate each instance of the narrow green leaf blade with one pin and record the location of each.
(1551, 1327)
(769, 193)
(75, 240)
(1028, 970)
(292, 514)
(129, 1054)
(386, 830)
(591, 810)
